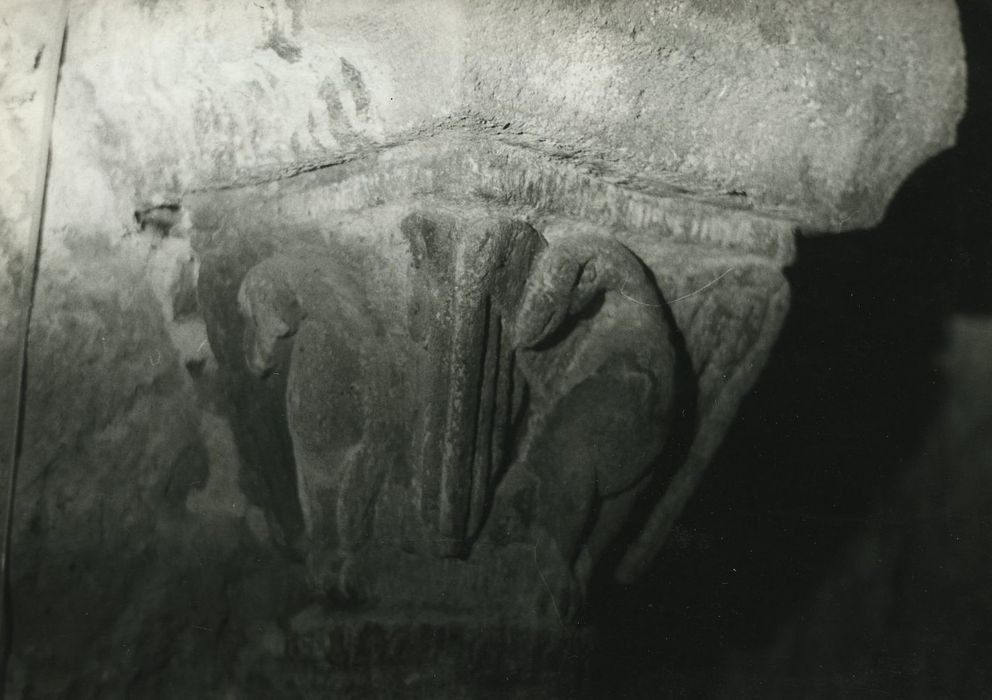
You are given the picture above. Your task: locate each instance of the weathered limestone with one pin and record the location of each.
(368, 334)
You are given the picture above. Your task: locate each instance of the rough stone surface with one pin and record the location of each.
(811, 112)
(814, 111)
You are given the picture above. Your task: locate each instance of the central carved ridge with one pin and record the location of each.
(468, 283)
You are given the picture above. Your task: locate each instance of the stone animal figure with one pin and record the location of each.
(594, 346)
(309, 316)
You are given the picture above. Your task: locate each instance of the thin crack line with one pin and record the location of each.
(547, 587)
(684, 296)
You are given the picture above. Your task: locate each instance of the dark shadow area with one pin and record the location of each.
(972, 227)
(829, 431)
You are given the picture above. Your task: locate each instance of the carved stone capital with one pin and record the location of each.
(461, 400)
